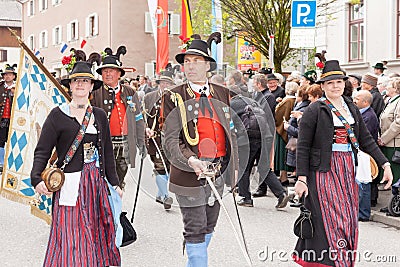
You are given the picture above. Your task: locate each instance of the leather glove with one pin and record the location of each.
(143, 151)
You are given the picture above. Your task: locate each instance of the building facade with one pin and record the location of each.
(362, 33)
(49, 24)
(10, 17)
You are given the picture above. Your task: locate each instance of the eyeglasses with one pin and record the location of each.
(82, 81)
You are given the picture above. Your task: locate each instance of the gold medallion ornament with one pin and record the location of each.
(21, 121)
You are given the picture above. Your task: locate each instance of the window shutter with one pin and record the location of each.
(68, 32)
(96, 25)
(45, 4)
(87, 27)
(46, 39)
(76, 30)
(149, 69)
(54, 36)
(40, 5)
(147, 23)
(175, 24)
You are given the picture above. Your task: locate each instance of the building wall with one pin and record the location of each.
(120, 23)
(379, 36)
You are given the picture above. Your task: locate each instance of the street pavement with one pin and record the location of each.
(268, 232)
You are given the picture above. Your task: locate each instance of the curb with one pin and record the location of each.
(377, 216)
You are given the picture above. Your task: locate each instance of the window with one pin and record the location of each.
(356, 32)
(43, 39)
(57, 35)
(55, 2)
(92, 25)
(72, 31)
(3, 55)
(31, 42)
(42, 5)
(398, 30)
(31, 8)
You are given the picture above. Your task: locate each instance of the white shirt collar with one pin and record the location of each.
(116, 89)
(9, 86)
(199, 88)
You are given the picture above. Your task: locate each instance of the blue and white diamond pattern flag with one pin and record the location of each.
(34, 97)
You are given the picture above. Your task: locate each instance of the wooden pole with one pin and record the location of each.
(40, 64)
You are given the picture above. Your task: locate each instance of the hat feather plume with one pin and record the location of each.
(108, 51)
(121, 51)
(214, 37)
(94, 57)
(80, 55)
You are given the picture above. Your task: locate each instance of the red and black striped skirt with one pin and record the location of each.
(84, 235)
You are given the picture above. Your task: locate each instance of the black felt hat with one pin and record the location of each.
(113, 61)
(331, 71)
(379, 65)
(166, 76)
(82, 69)
(198, 48)
(9, 69)
(265, 71)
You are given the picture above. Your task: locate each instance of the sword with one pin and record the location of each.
(243, 249)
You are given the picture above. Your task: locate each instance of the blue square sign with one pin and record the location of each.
(304, 13)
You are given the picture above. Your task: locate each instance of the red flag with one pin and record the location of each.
(83, 42)
(186, 21)
(162, 35)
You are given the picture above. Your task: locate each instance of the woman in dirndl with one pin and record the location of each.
(326, 173)
(82, 230)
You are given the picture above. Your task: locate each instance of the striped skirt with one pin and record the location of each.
(333, 201)
(84, 235)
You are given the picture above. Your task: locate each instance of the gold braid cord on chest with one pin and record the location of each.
(177, 99)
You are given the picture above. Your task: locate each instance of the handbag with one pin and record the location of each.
(53, 176)
(291, 144)
(129, 234)
(396, 154)
(362, 164)
(303, 226)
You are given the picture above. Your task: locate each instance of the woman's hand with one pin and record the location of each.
(301, 186)
(42, 189)
(285, 125)
(387, 176)
(380, 142)
(297, 114)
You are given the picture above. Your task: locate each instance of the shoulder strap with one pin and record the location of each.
(352, 136)
(79, 137)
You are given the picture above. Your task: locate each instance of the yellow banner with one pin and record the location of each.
(248, 56)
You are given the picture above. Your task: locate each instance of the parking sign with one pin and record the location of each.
(304, 13)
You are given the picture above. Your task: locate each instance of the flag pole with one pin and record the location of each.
(40, 64)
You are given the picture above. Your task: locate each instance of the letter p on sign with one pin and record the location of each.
(304, 13)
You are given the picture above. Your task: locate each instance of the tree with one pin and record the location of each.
(261, 18)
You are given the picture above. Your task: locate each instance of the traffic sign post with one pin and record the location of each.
(304, 13)
(302, 32)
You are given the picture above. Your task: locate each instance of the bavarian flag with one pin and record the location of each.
(36, 94)
(186, 23)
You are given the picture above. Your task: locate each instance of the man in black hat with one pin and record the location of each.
(378, 69)
(199, 141)
(274, 88)
(123, 109)
(7, 88)
(152, 111)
